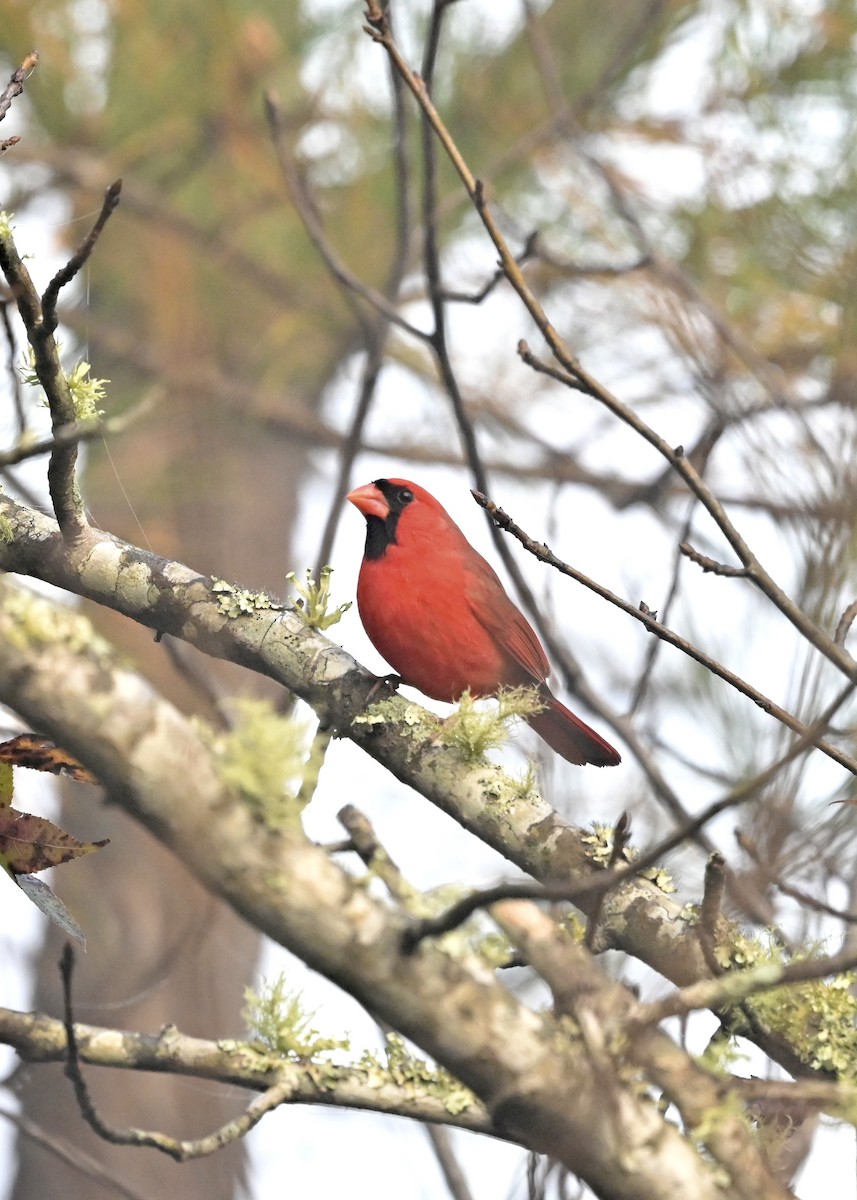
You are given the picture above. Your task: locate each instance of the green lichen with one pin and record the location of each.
(660, 877)
(730, 1109)
(388, 711)
(474, 728)
(36, 621)
(599, 848)
(6, 226)
(721, 1055)
(263, 758)
(314, 598)
(241, 602)
(413, 723)
(275, 1018)
(86, 394)
(819, 1018)
(598, 843)
(410, 1074)
(7, 532)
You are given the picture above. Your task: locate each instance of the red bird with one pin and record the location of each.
(438, 613)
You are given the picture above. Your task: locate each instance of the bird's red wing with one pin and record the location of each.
(507, 625)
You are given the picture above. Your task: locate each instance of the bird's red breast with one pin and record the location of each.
(438, 613)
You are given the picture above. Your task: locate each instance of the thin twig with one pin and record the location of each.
(644, 616)
(607, 880)
(704, 449)
(364, 841)
(449, 1165)
(586, 383)
(316, 231)
(14, 377)
(72, 1157)
(709, 910)
(711, 564)
(62, 481)
(378, 335)
(749, 847)
(621, 838)
(80, 257)
(176, 1148)
(845, 623)
(16, 82)
(734, 987)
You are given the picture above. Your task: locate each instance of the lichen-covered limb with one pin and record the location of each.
(533, 1076)
(253, 631)
(225, 622)
(40, 1038)
(602, 1007)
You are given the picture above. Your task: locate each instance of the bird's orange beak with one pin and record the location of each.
(370, 500)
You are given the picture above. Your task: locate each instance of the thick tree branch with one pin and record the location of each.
(600, 1007)
(536, 1081)
(39, 1038)
(637, 917)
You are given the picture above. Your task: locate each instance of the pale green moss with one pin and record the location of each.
(7, 533)
(264, 757)
(475, 728)
(730, 1109)
(599, 843)
(86, 394)
(599, 847)
(276, 1018)
(6, 226)
(818, 1018)
(411, 1074)
(314, 598)
(36, 621)
(241, 602)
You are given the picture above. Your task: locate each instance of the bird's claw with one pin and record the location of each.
(391, 682)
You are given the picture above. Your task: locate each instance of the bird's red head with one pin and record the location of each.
(382, 504)
(386, 496)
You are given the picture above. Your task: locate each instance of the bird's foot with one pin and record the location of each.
(391, 682)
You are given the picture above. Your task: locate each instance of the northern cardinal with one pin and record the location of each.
(438, 613)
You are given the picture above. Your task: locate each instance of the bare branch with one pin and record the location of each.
(710, 564)
(16, 84)
(733, 987)
(845, 623)
(645, 617)
(583, 381)
(62, 481)
(450, 1167)
(309, 216)
(79, 259)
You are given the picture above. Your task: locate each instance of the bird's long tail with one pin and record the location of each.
(569, 736)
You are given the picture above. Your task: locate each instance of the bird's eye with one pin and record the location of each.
(405, 496)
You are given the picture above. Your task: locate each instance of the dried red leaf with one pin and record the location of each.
(41, 754)
(29, 843)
